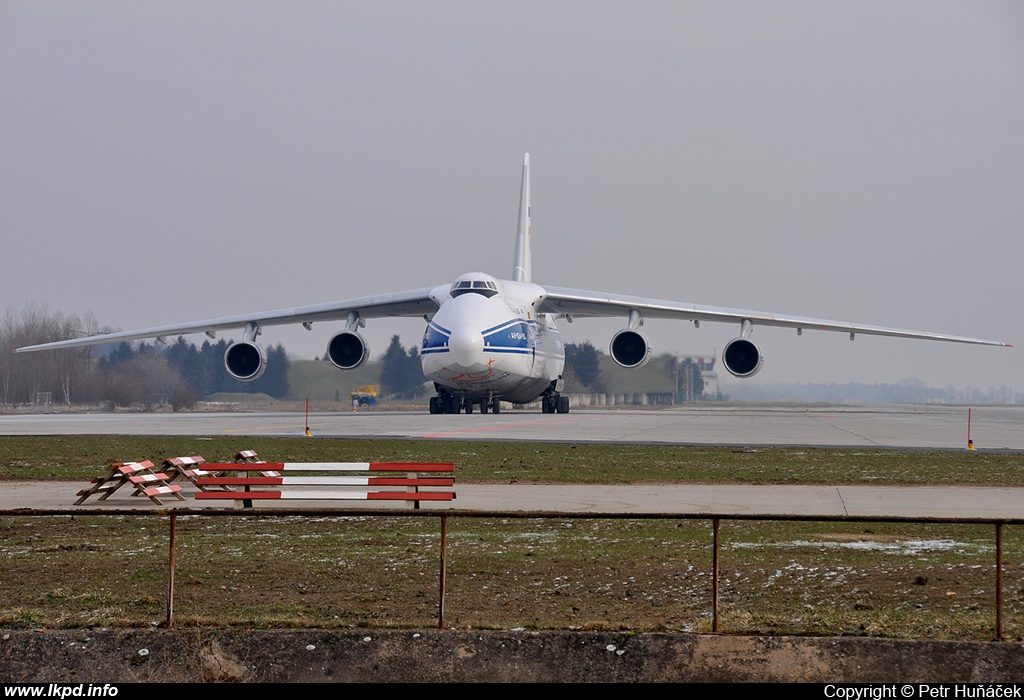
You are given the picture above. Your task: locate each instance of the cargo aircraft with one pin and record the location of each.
(490, 340)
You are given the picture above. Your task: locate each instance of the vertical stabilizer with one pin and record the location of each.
(522, 270)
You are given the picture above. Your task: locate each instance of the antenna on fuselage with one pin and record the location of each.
(522, 267)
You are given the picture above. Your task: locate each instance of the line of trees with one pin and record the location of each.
(24, 376)
(582, 371)
(121, 374)
(401, 373)
(203, 369)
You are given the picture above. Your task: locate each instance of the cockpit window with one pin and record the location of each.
(484, 287)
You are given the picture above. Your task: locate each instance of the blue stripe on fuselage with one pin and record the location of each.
(517, 336)
(435, 339)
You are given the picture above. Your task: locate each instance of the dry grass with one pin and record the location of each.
(84, 456)
(778, 578)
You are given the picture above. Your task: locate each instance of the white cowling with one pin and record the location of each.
(630, 348)
(347, 350)
(742, 357)
(245, 360)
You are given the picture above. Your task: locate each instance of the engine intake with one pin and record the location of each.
(742, 357)
(245, 360)
(630, 348)
(347, 350)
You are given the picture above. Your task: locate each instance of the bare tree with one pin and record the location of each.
(26, 374)
(70, 364)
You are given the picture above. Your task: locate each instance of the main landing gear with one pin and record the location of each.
(555, 403)
(447, 403)
(550, 402)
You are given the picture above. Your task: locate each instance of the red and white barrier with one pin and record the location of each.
(410, 476)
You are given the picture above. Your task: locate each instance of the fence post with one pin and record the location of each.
(441, 573)
(714, 577)
(170, 573)
(999, 580)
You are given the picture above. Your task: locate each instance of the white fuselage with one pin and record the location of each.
(487, 340)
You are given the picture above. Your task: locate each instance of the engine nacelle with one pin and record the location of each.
(347, 350)
(630, 348)
(245, 360)
(742, 357)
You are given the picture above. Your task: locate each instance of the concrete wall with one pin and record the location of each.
(636, 399)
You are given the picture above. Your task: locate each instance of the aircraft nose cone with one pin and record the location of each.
(466, 344)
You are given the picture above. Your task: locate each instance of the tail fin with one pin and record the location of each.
(522, 270)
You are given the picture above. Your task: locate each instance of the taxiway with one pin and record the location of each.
(882, 426)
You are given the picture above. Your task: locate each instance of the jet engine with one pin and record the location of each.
(742, 357)
(245, 360)
(347, 350)
(630, 348)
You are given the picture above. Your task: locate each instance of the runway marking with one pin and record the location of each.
(510, 425)
(298, 426)
(846, 511)
(849, 431)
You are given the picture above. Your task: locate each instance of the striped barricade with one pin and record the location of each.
(141, 475)
(404, 483)
(189, 468)
(251, 457)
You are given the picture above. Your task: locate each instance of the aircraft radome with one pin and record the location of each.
(489, 340)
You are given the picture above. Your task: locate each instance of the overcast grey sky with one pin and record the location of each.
(171, 161)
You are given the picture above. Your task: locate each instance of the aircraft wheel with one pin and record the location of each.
(484, 405)
(451, 405)
(435, 406)
(546, 405)
(496, 406)
(469, 405)
(563, 404)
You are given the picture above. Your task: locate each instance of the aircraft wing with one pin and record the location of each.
(580, 302)
(414, 302)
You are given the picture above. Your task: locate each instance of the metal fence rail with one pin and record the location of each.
(444, 515)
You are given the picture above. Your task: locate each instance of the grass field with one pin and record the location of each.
(82, 457)
(882, 580)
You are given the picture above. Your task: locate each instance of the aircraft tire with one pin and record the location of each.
(435, 406)
(546, 405)
(484, 405)
(469, 406)
(495, 406)
(563, 404)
